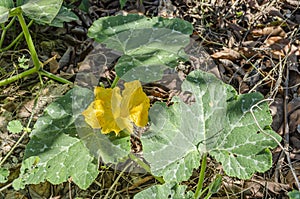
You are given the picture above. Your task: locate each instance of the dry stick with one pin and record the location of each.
(285, 123)
(137, 184)
(116, 181)
(280, 161)
(286, 129)
(257, 123)
(261, 81)
(279, 144)
(278, 82)
(70, 188)
(26, 131)
(5, 187)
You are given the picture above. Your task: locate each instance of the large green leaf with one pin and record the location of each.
(63, 142)
(218, 122)
(42, 11)
(167, 190)
(149, 45)
(5, 6)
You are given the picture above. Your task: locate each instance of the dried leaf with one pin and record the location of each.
(271, 31)
(227, 54)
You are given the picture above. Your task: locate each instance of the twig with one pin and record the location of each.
(137, 184)
(5, 187)
(286, 129)
(116, 181)
(256, 122)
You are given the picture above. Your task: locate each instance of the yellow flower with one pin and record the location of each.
(112, 111)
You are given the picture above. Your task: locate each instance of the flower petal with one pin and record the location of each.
(112, 112)
(137, 102)
(99, 113)
(120, 114)
(90, 115)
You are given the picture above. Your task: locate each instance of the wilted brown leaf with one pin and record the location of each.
(270, 31)
(227, 54)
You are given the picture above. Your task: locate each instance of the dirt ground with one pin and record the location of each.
(252, 45)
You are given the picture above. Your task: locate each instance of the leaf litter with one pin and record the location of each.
(252, 43)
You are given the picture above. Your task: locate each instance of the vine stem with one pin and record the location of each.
(15, 40)
(52, 76)
(25, 130)
(4, 30)
(116, 181)
(117, 78)
(201, 176)
(13, 148)
(17, 77)
(36, 62)
(35, 59)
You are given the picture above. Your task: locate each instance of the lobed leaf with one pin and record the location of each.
(4, 173)
(63, 142)
(149, 45)
(15, 126)
(219, 122)
(42, 11)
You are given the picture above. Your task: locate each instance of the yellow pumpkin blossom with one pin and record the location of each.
(112, 111)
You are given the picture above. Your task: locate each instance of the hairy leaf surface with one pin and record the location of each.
(42, 11)
(67, 146)
(149, 45)
(218, 122)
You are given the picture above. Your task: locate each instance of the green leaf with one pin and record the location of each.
(122, 3)
(4, 173)
(5, 6)
(42, 11)
(23, 62)
(15, 126)
(218, 122)
(63, 142)
(149, 45)
(295, 194)
(84, 5)
(64, 15)
(29, 167)
(216, 184)
(167, 190)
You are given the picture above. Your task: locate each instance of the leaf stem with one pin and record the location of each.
(117, 78)
(17, 77)
(36, 62)
(35, 59)
(4, 30)
(25, 130)
(50, 75)
(201, 176)
(146, 167)
(13, 148)
(116, 181)
(15, 40)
